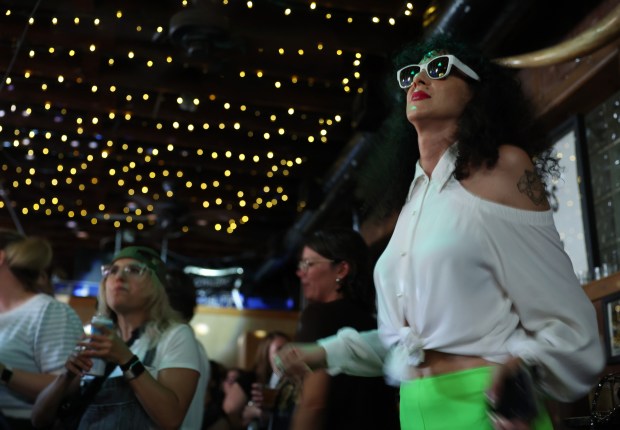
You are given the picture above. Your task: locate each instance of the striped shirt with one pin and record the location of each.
(36, 337)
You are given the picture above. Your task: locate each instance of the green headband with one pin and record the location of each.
(146, 256)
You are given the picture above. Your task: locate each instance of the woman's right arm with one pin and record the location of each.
(45, 408)
(27, 384)
(349, 351)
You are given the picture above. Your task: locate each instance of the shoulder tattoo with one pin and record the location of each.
(531, 185)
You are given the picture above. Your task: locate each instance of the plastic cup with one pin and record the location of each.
(269, 397)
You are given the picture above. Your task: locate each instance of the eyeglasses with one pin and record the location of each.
(304, 265)
(437, 68)
(129, 271)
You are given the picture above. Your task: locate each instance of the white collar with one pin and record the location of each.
(442, 172)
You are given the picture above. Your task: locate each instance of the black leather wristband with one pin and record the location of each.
(135, 369)
(6, 375)
(126, 366)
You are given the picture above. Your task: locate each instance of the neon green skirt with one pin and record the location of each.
(454, 401)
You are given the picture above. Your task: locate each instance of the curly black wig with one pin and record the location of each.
(498, 114)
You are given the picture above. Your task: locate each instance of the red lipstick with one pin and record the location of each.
(419, 95)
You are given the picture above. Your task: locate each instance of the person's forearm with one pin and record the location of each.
(48, 401)
(28, 384)
(307, 419)
(310, 411)
(160, 403)
(354, 353)
(163, 405)
(297, 359)
(313, 355)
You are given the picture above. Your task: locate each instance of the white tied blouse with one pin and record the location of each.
(467, 276)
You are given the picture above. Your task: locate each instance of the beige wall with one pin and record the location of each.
(229, 335)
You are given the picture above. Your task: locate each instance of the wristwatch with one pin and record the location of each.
(133, 368)
(7, 374)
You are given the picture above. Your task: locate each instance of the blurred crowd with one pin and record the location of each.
(155, 373)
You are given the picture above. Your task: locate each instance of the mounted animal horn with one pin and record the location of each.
(579, 46)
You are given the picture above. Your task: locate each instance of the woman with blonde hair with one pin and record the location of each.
(37, 332)
(265, 353)
(149, 335)
(257, 412)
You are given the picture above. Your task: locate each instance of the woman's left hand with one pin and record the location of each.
(292, 360)
(106, 345)
(501, 423)
(502, 375)
(251, 412)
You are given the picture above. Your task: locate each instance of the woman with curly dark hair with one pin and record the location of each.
(498, 113)
(478, 304)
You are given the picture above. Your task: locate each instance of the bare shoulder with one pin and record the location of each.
(513, 181)
(511, 156)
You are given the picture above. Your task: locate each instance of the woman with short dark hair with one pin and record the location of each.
(334, 270)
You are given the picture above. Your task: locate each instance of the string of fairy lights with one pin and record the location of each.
(288, 8)
(89, 155)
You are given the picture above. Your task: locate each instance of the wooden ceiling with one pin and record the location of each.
(230, 109)
(194, 126)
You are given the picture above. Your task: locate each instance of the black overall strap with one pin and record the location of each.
(70, 412)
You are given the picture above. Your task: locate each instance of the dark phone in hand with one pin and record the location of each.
(518, 399)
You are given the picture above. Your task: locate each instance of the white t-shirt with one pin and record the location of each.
(467, 276)
(36, 337)
(176, 348)
(198, 402)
